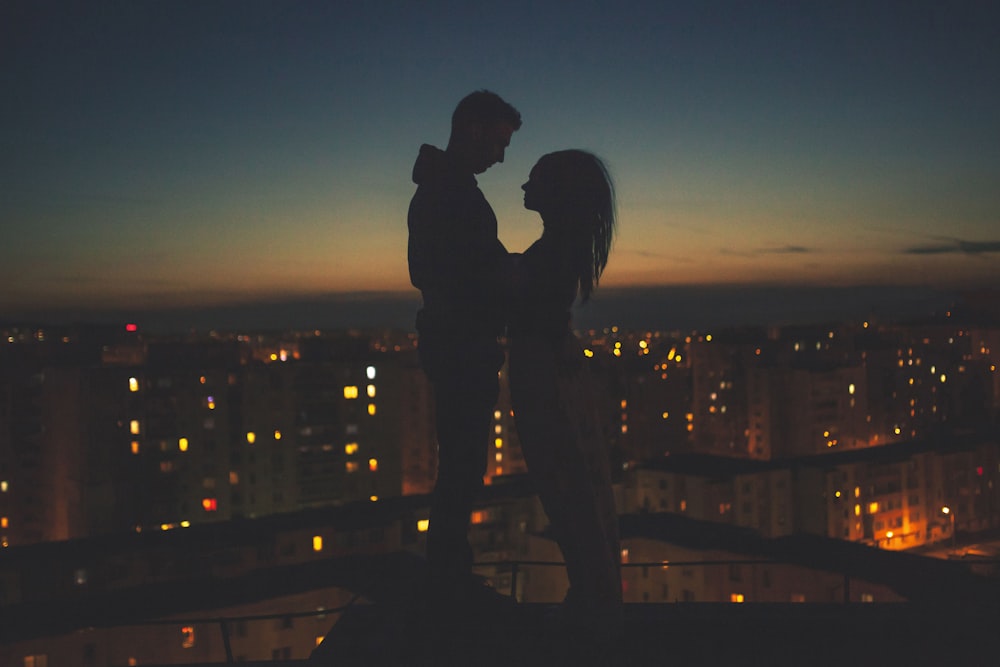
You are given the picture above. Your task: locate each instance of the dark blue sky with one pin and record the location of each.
(170, 153)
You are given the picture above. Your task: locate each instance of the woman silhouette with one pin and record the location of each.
(555, 409)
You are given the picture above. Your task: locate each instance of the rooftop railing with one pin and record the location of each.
(198, 628)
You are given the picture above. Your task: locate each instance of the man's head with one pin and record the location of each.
(481, 127)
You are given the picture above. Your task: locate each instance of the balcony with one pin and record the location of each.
(386, 623)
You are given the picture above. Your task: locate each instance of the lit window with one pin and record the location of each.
(188, 633)
(133, 427)
(498, 457)
(251, 437)
(423, 525)
(478, 516)
(4, 486)
(498, 429)
(350, 391)
(588, 353)
(373, 465)
(317, 542)
(182, 444)
(202, 379)
(133, 385)
(234, 477)
(351, 466)
(496, 414)
(4, 522)
(850, 389)
(665, 415)
(370, 389)
(351, 448)
(370, 372)
(374, 499)
(135, 446)
(210, 504)
(277, 435)
(736, 597)
(857, 510)
(872, 508)
(371, 408)
(624, 555)
(498, 443)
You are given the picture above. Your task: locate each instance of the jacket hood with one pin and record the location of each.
(434, 166)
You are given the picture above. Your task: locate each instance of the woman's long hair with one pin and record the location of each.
(582, 197)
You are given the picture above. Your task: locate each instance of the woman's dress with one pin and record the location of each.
(559, 423)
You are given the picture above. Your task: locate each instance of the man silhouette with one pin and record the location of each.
(461, 269)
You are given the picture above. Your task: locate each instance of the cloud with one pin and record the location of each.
(955, 247)
(784, 250)
(781, 250)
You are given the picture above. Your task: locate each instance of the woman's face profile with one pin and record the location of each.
(534, 189)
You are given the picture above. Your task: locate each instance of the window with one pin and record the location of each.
(187, 633)
(350, 392)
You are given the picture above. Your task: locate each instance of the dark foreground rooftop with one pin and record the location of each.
(688, 634)
(772, 635)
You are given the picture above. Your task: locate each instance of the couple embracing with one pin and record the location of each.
(473, 292)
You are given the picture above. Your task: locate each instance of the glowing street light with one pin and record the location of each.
(951, 517)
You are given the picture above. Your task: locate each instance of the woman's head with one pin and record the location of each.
(575, 196)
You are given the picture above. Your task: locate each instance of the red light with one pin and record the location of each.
(979, 470)
(131, 327)
(210, 504)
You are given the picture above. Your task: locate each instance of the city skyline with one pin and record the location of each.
(178, 156)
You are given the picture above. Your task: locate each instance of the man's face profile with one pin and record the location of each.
(491, 143)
